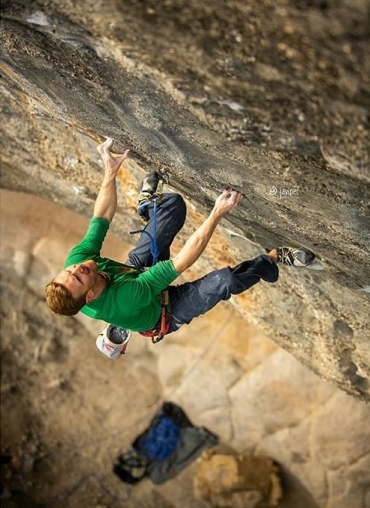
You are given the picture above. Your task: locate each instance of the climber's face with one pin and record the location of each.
(79, 279)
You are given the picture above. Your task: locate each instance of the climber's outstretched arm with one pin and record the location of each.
(198, 241)
(106, 201)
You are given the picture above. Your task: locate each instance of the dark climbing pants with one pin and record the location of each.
(195, 298)
(171, 214)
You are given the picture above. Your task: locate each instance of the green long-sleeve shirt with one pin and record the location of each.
(132, 298)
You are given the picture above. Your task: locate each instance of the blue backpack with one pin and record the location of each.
(166, 447)
(161, 439)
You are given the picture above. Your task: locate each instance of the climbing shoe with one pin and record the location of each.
(292, 256)
(151, 189)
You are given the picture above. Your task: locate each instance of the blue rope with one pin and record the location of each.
(153, 238)
(153, 246)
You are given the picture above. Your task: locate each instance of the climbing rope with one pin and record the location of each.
(153, 238)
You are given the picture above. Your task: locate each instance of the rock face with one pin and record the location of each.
(227, 480)
(270, 98)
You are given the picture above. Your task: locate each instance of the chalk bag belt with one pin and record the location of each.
(161, 328)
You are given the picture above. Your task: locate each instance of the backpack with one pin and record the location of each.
(166, 447)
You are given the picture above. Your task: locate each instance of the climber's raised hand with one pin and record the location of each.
(111, 164)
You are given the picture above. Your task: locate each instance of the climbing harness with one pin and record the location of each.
(161, 328)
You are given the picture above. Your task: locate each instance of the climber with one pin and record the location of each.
(131, 295)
